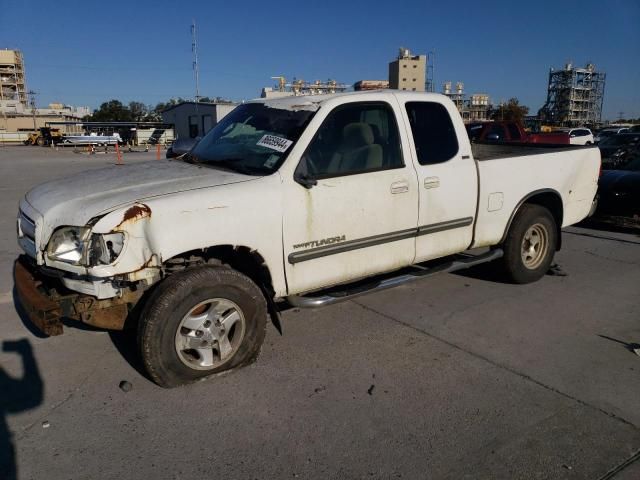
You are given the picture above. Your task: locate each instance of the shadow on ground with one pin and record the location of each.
(603, 225)
(17, 395)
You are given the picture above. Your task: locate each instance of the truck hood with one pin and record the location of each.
(76, 199)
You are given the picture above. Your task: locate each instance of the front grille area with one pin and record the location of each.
(27, 234)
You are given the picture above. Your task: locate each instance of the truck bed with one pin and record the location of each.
(493, 151)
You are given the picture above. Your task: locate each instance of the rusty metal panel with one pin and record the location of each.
(43, 312)
(111, 318)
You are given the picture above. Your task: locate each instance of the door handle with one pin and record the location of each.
(400, 187)
(431, 182)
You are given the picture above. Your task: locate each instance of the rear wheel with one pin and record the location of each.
(530, 244)
(200, 322)
(40, 141)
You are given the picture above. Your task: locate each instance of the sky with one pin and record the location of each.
(85, 53)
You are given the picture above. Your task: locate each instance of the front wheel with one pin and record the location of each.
(200, 322)
(530, 244)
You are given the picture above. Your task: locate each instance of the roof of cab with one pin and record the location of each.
(314, 102)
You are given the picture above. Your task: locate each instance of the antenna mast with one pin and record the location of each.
(194, 49)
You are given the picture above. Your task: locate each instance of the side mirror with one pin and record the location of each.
(305, 180)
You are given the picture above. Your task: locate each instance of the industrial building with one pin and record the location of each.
(195, 119)
(574, 96)
(17, 114)
(362, 85)
(15, 117)
(300, 87)
(478, 107)
(13, 86)
(473, 109)
(408, 72)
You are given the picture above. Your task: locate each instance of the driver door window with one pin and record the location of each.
(354, 139)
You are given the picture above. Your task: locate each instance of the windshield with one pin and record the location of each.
(253, 139)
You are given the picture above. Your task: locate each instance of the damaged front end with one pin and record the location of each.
(82, 273)
(47, 301)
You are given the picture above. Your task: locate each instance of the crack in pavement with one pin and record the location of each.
(619, 468)
(524, 376)
(71, 394)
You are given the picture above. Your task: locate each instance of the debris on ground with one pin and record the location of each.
(46, 424)
(370, 389)
(125, 386)
(556, 270)
(318, 390)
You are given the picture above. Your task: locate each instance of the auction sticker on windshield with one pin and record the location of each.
(278, 144)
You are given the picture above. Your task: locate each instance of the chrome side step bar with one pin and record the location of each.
(347, 292)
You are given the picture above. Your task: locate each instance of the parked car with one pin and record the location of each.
(619, 192)
(312, 200)
(634, 129)
(578, 136)
(474, 130)
(614, 150)
(608, 132)
(182, 146)
(513, 132)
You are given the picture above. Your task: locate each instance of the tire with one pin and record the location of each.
(40, 141)
(522, 262)
(168, 327)
(594, 206)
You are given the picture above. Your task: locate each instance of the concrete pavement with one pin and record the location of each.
(454, 376)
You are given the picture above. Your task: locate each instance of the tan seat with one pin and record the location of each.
(356, 152)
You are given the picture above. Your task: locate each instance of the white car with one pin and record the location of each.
(579, 136)
(308, 200)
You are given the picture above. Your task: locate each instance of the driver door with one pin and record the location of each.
(353, 210)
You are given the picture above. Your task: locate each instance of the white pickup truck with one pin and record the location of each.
(302, 201)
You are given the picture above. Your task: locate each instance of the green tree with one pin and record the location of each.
(112, 111)
(511, 111)
(139, 111)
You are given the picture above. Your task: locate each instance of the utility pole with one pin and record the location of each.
(32, 103)
(194, 49)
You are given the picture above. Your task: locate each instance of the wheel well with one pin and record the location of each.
(240, 258)
(552, 201)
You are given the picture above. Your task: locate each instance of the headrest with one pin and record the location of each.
(356, 135)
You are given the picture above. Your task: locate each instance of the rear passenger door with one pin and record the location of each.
(447, 180)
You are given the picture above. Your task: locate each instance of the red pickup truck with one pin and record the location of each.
(512, 132)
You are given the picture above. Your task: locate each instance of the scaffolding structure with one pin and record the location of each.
(574, 96)
(473, 108)
(12, 78)
(456, 97)
(300, 87)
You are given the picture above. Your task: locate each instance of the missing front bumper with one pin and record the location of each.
(46, 307)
